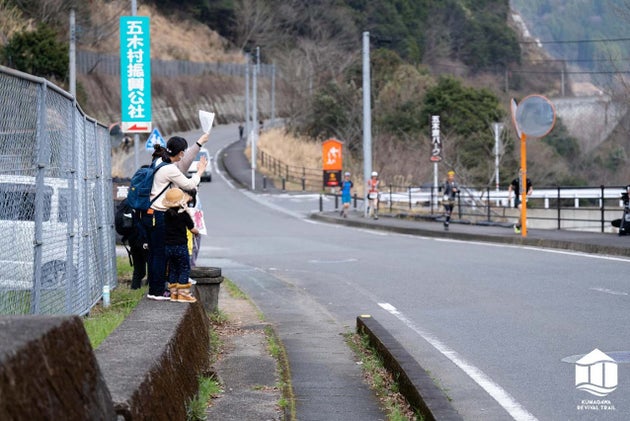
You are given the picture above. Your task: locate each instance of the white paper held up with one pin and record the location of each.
(206, 118)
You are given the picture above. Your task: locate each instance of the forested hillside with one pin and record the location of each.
(461, 59)
(591, 34)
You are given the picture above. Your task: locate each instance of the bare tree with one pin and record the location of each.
(11, 21)
(254, 23)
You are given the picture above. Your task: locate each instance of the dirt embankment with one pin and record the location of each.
(176, 99)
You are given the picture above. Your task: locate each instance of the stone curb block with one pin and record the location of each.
(48, 371)
(151, 362)
(515, 240)
(414, 383)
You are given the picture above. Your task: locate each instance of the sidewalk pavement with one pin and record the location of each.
(246, 355)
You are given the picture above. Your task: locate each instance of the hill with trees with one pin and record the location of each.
(461, 59)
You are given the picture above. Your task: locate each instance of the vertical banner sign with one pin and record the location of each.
(436, 144)
(135, 74)
(332, 162)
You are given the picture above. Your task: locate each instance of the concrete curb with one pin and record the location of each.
(414, 382)
(48, 371)
(507, 239)
(151, 361)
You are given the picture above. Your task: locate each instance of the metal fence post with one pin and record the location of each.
(558, 205)
(43, 150)
(336, 201)
(409, 190)
(284, 182)
(390, 198)
(488, 200)
(602, 196)
(321, 203)
(355, 200)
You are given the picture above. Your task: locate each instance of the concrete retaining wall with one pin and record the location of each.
(152, 360)
(48, 371)
(147, 368)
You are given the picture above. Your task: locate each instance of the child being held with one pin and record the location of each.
(177, 220)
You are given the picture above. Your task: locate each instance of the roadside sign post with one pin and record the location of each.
(155, 138)
(535, 116)
(436, 152)
(332, 162)
(135, 76)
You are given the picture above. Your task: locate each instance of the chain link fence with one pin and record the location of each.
(56, 201)
(108, 64)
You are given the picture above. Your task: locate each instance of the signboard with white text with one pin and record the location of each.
(436, 143)
(135, 74)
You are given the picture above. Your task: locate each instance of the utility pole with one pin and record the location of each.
(255, 118)
(497, 128)
(273, 94)
(367, 117)
(247, 96)
(73, 55)
(136, 137)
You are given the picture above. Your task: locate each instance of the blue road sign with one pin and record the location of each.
(155, 138)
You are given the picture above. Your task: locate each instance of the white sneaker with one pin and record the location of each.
(191, 281)
(158, 297)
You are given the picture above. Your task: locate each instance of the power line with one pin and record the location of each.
(543, 72)
(576, 41)
(560, 60)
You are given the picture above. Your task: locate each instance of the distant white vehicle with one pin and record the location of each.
(207, 175)
(18, 198)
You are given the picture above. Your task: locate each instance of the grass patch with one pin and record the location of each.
(380, 380)
(102, 321)
(123, 268)
(277, 351)
(196, 408)
(233, 289)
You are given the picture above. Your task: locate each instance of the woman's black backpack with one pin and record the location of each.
(124, 220)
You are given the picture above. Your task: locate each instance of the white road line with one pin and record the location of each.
(275, 207)
(334, 261)
(608, 291)
(493, 389)
(216, 167)
(372, 232)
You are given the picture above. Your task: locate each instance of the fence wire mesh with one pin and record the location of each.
(56, 202)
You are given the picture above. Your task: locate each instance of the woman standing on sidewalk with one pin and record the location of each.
(178, 153)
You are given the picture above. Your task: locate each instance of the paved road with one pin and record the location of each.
(491, 323)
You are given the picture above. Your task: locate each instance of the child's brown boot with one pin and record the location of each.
(184, 295)
(174, 292)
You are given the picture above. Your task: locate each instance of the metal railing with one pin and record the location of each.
(306, 179)
(572, 208)
(56, 201)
